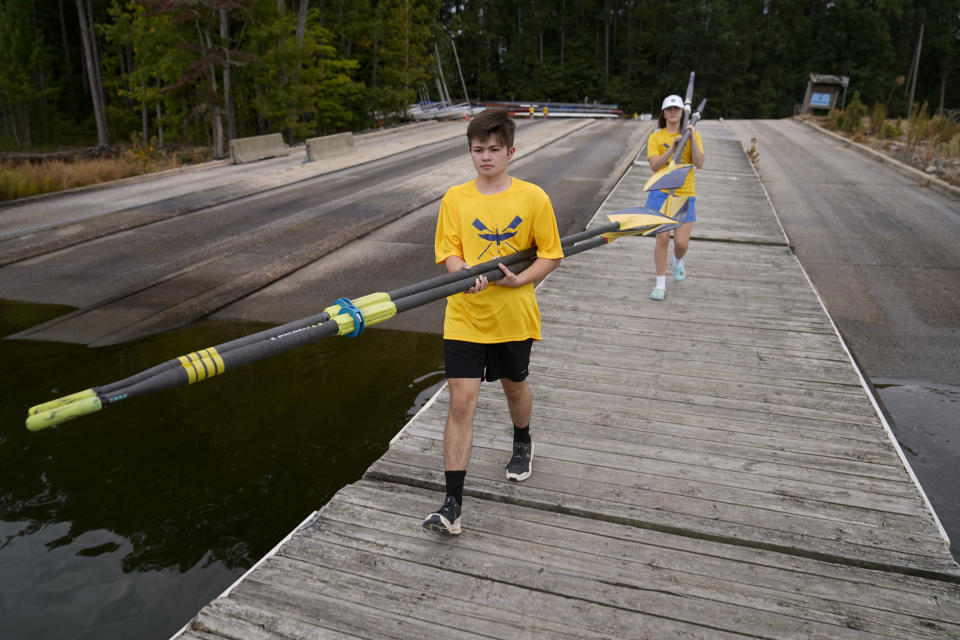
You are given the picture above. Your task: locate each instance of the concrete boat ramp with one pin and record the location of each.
(711, 466)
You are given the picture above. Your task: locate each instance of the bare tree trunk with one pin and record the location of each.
(376, 48)
(63, 34)
(943, 91)
(144, 123)
(217, 118)
(302, 21)
(216, 112)
(606, 44)
(159, 123)
(281, 11)
(9, 126)
(563, 42)
(913, 73)
(596, 44)
(83, 68)
(261, 123)
(563, 33)
(227, 94)
(96, 57)
(406, 49)
(103, 135)
(25, 125)
(13, 126)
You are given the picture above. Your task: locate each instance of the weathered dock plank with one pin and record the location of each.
(364, 569)
(710, 466)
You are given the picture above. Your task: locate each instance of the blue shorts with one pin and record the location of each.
(656, 199)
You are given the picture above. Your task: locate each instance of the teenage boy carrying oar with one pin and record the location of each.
(488, 331)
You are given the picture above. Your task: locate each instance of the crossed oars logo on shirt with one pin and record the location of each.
(496, 236)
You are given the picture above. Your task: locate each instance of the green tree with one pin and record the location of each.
(302, 87)
(25, 72)
(402, 53)
(157, 62)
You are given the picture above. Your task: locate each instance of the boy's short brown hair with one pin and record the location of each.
(491, 122)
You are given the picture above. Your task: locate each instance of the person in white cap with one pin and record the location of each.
(660, 148)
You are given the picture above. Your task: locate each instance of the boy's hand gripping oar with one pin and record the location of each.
(345, 317)
(673, 175)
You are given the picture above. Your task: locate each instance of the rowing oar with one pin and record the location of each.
(626, 218)
(344, 317)
(686, 103)
(673, 175)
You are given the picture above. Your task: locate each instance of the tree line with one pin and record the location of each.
(202, 72)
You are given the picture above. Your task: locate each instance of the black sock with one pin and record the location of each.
(455, 484)
(521, 435)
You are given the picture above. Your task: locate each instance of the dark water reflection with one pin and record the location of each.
(926, 422)
(124, 523)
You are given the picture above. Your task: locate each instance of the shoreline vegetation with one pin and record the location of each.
(929, 144)
(23, 176)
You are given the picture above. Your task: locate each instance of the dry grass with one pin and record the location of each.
(21, 180)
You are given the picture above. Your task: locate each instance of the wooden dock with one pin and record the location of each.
(711, 466)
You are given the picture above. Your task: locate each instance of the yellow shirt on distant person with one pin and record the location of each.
(661, 140)
(479, 227)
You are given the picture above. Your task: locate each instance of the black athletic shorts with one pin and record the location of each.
(487, 361)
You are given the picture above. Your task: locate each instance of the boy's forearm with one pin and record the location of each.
(539, 269)
(454, 263)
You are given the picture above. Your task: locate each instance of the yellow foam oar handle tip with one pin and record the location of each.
(361, 302)
(52, 417)
(59, 402)
(372, 314)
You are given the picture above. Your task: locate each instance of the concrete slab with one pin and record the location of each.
(255, 148)
(326, 146)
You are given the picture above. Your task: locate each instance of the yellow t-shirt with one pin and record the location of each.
(477, 228)
(661, 140)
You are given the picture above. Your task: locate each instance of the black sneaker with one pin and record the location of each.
(521, 462)
(446, 519)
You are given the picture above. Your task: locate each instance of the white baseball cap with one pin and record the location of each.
(672, 101)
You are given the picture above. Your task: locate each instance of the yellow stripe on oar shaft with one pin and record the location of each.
(202, 365)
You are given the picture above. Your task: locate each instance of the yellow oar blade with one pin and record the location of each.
(635, 221)
(675, 207)
(670, 177)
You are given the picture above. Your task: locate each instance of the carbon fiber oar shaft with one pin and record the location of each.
(348, 318)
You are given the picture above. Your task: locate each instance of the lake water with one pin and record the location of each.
(124, 523)
(926, 422)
